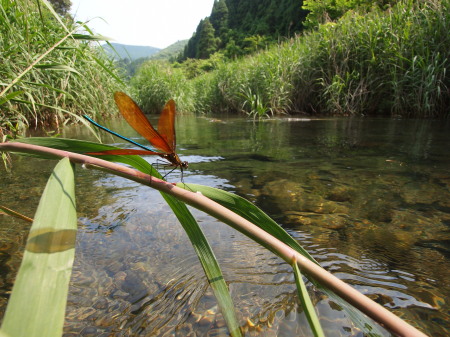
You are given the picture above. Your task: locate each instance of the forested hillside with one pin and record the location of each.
(239, 27)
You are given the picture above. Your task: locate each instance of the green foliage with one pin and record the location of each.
(156, 82)
(323, 11)
(310, 313)
(279, 18)
(232, 22)
(219, 21)
(392, 62)
(49, 75)
(254, 42)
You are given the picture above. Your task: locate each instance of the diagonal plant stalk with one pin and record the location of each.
(377, 312)
(13, 213)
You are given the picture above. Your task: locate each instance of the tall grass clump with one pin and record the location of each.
(382, 62)
(379, 61)
(156, 82)
(49, 72)
(258, 85)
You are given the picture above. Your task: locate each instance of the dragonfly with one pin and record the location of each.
(163, 140)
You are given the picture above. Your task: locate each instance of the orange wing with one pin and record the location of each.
(166, 124)
(136, 118)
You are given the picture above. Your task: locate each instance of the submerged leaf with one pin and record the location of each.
(305, 300)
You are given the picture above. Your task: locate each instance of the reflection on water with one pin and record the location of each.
(368, 198)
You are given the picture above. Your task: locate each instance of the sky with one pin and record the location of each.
(155, 23)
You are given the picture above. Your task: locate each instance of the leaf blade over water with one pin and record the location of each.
(38, 300)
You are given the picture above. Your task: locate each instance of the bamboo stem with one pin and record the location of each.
(377, 312)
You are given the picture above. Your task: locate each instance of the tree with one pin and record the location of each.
(62, 7)
(207, 43)
(254, 42)
(323, 11)
(219, 20)
(232, 51)
(190, 50)
(234, 20)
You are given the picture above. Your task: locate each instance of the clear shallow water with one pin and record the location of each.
(369, 198)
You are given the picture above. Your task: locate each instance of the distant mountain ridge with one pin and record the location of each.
(130, 65)
(124, 51)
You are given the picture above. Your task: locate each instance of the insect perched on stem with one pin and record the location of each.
(163, 140)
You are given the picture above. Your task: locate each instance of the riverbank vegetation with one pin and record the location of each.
(386, 58)
(372, 61)
(49, 72)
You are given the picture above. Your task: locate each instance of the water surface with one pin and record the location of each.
(368, 198)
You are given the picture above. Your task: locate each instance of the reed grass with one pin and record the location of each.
(50, 70)
(156, 82)
(383, 62)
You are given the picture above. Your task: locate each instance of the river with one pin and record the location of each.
(368, 198)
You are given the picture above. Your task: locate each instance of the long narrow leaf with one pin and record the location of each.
(55, 15)
(90, 37)
(10, 96)
(305, 300)
(57, 67)
(208, 260)
(248, 211)
(38, 300)
(255, 215)
(108, 70)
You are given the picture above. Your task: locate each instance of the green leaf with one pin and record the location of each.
(108, 70)
(305, 300)
(250, 212)
(56, 15)
(208, 260)
(57, 67)
(10, 96)
(81, 146)
(38, 300)
(89, 37)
